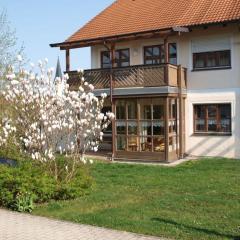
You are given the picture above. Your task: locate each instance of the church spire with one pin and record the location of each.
(58, 69)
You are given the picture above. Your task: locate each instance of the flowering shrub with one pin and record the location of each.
(7, 130)
(47, 118)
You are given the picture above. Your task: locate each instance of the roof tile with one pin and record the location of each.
(131, 16)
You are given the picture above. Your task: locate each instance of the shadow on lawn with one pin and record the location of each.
(203, 230)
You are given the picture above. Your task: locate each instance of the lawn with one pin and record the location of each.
(197, 200)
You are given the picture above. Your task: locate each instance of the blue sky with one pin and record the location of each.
(39, 23)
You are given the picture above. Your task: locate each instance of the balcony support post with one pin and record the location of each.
(111, 49)
(112, 58)
(166, 51)
(181, 112)
(166, 135)
(166, 60)
(67, 60)
(113, 130)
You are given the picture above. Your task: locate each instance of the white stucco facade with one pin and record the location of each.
(224, 146)
(204, 87)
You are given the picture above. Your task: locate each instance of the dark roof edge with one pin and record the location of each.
(67, 44)
(107, 37)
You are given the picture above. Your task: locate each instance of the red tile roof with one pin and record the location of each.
(132, 16)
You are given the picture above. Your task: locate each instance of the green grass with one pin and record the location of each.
(197, 200)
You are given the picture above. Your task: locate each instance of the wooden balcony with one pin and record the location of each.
(133, 76)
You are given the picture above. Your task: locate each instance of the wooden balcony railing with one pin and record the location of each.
(133, 76)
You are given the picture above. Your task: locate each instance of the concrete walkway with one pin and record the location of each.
(16, 226)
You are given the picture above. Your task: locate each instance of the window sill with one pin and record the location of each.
(211, 134)
(211, 69)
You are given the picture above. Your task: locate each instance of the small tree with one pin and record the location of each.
(47, 118)
(8, 42)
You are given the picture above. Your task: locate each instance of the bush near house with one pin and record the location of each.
(40, 118)
(29, 182)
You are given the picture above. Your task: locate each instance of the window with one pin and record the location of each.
(211, 60)
(141, 126)
(212, 118)
(173, 125)
(122, 58)
(105, 59)
(121, 110)
(173, 53)
(142, 130)
(155, 54)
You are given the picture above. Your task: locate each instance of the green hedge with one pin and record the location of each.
(29, 183)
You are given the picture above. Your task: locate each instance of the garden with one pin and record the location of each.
(45, 131)
(196, 200)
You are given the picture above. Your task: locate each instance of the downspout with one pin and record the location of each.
(181, 113)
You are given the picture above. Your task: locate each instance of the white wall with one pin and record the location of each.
(212, 79)
(225, 146)
(213, 86)
(136, 51)
(196, 80)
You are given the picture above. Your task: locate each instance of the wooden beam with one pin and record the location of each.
(177, 113)
(106, 46)
(67, 60)
(120, 38)
(181, 112)
(166, 108)
(166, 50)
(113, 130)
(166, 60)
(112, 57)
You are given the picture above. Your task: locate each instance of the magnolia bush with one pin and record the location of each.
(47, 119)
(6, 130)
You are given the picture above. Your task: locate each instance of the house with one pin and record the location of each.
(171, 69)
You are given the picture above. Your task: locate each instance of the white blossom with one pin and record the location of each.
(49, 118)
(103, 95)
(10, 76)
(91, 87)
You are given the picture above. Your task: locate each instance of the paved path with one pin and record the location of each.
(16, 226)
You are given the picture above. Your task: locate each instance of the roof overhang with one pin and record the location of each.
(120, 38)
